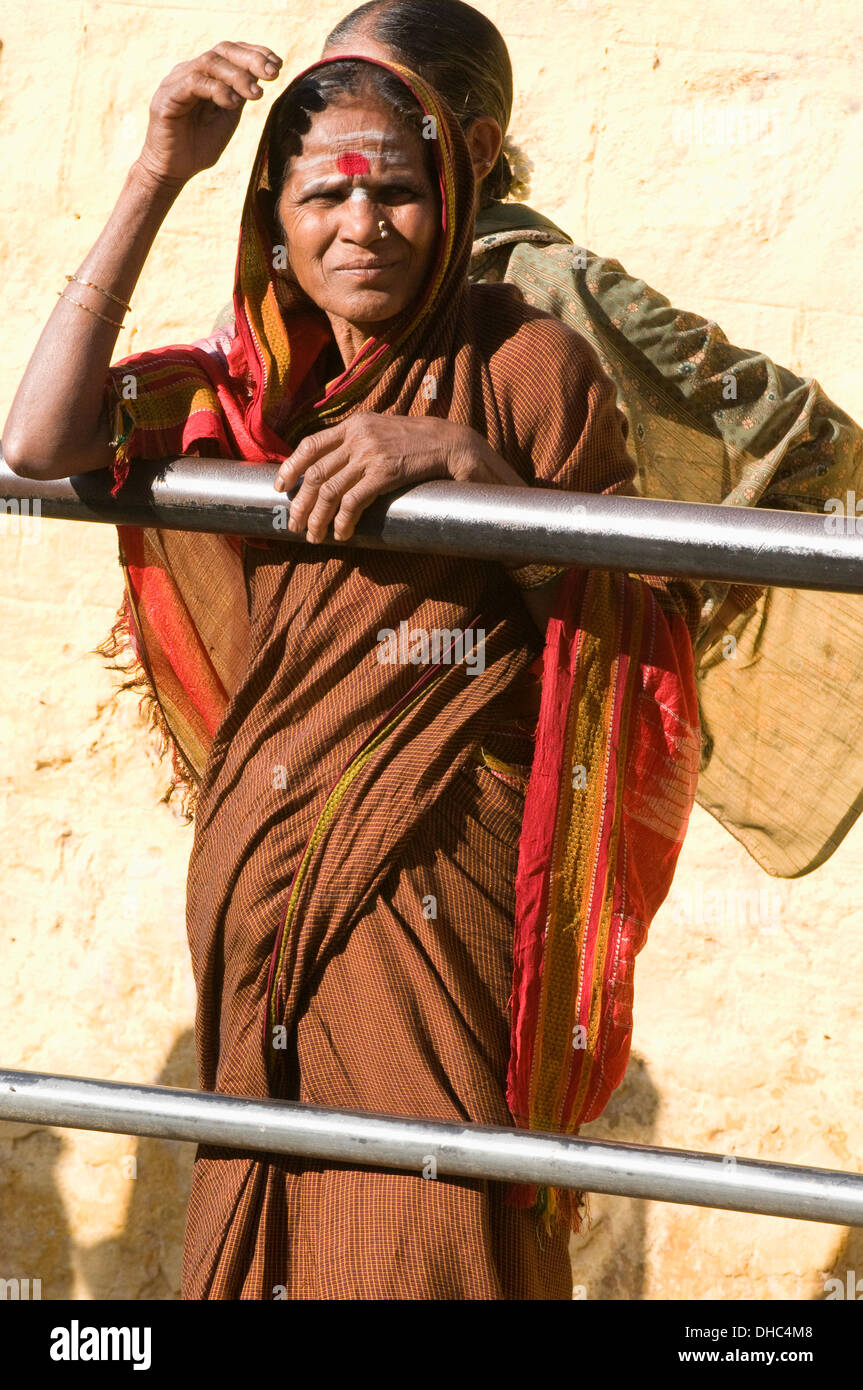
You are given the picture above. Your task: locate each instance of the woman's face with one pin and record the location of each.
(360, 167)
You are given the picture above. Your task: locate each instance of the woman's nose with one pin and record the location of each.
(363, 216)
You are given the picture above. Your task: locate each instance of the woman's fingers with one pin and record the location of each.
(343, 498)
(235, 67)
(330, 499)
(241, 68)
(202, 86)
(240, 79)
(253, 57)
(307, 453)
(354, 503)
(316, 476)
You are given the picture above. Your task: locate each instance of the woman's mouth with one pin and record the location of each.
(366, 270)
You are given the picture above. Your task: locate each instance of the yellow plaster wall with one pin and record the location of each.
(747, 1038)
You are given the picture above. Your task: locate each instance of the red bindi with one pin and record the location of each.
(353, 163)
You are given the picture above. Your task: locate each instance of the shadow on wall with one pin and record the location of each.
(143, 1262)
(609, 1259)
(609, 1256)
(34, 1234)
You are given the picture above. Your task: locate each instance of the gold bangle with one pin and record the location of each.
(104, 317)
(106, 293)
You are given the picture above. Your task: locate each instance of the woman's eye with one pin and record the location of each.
(390, 194)
(398, 193)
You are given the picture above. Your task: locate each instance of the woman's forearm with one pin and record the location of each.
(58, 425)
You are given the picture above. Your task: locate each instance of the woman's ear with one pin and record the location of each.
(484, 140)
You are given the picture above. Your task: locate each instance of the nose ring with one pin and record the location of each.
(382, 228)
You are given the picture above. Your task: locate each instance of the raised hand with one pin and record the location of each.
(197, 108)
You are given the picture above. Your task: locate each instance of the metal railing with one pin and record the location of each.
(471, 1151)
(515, 526)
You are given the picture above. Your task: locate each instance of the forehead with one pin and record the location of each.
(352, 138)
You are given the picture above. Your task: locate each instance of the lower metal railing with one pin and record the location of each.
(433, 1148)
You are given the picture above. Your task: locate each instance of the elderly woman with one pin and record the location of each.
(709, 422)
(413, 888)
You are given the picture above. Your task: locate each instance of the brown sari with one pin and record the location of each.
(351, 884)
(387, 1008)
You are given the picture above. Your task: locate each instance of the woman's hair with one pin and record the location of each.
(458, 51)
(330, 85)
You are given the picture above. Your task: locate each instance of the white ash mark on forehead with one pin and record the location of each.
(313, 162)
